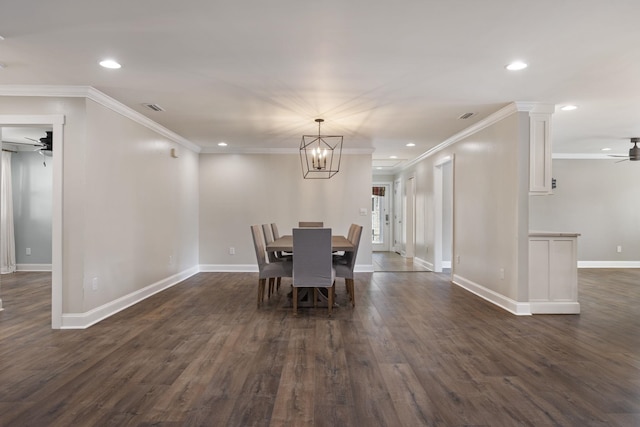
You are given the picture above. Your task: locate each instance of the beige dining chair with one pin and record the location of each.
(272, 257)
(276, 235)
(267, 270)
(345, 265)
(312, 265)
(303, 224)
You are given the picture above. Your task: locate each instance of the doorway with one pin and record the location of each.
(56, 123)
(380, 217)
(443, 233)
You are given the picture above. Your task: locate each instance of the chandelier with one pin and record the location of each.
(320, 155)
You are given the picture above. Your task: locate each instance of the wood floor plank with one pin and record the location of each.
(416, 350)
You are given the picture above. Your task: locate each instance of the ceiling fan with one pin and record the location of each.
(634, 152)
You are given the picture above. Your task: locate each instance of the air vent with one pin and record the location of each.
(154, 107)
(465, 116)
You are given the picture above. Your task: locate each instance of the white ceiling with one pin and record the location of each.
(256, 73)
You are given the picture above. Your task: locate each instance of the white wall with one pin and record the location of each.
(599, 199)
(237, 191)
(491, 213)
(127, 206)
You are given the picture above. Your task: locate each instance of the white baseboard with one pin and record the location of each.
(84, 320)
(608, 264)
(253, 268)
(33, 267)
(554, 307)
(228, 268)
(515, 307)
(423, 263)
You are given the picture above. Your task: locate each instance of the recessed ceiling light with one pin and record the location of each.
(222, 144)
(569, 107)
(411, 144)
(110, 63)
(516, 65)
(393, 157)
(606, 149)
(379, 168)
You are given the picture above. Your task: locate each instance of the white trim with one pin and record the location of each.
(554, 307)
(586, 156)
(228, 268)
(257, 150)
(515, 307)
(446, 264)
(608, 264)
(84, 320)
(423, 263)
(253, 268)
(33, 267)
(102, 99)
(504, 112)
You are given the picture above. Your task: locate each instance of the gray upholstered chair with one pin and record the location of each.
(276, 235)
(267, 270)
(345, 265)
(312, 266)
(267, 233)
(302, 224)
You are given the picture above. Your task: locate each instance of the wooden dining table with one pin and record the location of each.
(285, 244)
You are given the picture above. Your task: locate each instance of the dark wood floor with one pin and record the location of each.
(394, 262)
(415, 351)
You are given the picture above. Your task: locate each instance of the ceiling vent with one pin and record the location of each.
(465, 116)
(154, 107)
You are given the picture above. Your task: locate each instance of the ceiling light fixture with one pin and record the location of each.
(516, 66)
(606, 149)
(320, 155)
(569, 107)
(393, 157)
(411, 144)
(222, 144)
(110, 63)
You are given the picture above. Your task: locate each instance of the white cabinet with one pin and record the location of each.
(553, 273)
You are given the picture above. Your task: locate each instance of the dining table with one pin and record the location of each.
(285, 244)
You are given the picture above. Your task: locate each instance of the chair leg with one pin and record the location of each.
(278, 280)
(315, 297)
(272, 280)
(295, 301)
(261, 283)
(352, 291)
(330, 295)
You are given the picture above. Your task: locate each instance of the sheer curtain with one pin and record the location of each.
(7, 240)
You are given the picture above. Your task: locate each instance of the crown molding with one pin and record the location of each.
(584, 156)
(95, 95)
(504, 112)
(227, 150)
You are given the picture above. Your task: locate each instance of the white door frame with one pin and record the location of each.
(410, 217)
(397, 216)
(56, 122)
(388, 210)
(438, 191)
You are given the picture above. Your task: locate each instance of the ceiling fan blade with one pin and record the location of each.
(30, 144)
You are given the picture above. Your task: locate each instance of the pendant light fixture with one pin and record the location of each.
(320, 155)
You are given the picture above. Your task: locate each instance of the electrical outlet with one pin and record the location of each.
(502, 273)
(29, 251)
(232, 250)
(619, 249)
(94, 284)
(457, 259)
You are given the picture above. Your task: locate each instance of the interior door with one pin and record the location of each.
(380, 217)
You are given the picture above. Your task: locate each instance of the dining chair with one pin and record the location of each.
(276, 235)
(272, 257)
(312, 266)
(267, 270)
(345, 265)
(338, 256)
(318, 224)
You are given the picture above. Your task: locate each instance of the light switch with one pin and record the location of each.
(363, 211)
